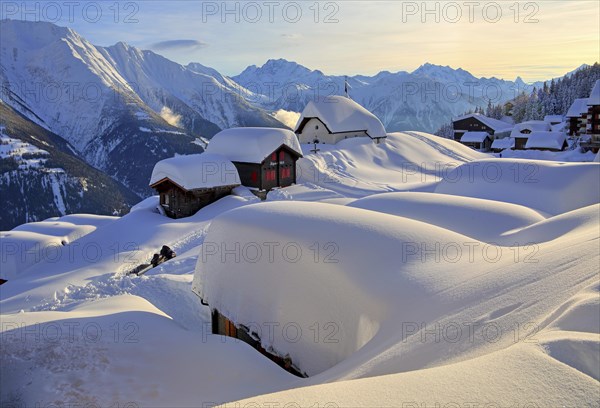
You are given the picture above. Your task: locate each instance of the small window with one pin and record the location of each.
(317, 127)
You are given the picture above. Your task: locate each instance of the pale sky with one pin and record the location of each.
(544, 39)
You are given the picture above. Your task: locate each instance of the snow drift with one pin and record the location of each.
(558, 187)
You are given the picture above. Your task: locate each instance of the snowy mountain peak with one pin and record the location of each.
(439, 72)
(35, 35)
(278, 67)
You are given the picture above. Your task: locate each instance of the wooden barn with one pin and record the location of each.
(476, 122)
(265, 158)
(186, 184)
(481, 141)
(335, 118)
(499, 145)
(221, 325)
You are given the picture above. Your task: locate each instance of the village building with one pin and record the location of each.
(521, 132)
(265, 158)
(499, 145)
(593, 120)
(475, 122)
(477, 140)
(577, 117)
(543, 140)
(335, 118)
(186, 184)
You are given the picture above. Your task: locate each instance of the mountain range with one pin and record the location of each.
(118, 110)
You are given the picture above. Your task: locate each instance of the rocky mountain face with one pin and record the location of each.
(42, 176)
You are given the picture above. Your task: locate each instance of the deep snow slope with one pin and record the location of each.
(559, 187)
(404, 161)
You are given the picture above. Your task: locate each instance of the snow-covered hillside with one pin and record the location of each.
(404, 161)
(442, 290)
(42, 176)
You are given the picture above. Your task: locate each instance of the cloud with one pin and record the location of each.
(178, 45)
(288, 118)
(170, 117)
(291, 36)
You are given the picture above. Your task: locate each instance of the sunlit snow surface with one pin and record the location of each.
(470, 280)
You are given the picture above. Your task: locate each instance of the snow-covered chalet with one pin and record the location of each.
(258, 158)
(265, 158)
(479, 131)
(185, 184)
(334, 118)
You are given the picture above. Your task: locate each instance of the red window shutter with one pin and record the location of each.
(254, 176)
(274, 157)
(281, 155)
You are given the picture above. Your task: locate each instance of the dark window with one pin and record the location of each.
(317, 127)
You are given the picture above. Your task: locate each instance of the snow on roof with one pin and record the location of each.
(553, 118)
(546, 140)
(357, 290)
(495, 124)
(252, 145)
(196, 171)
(505, 143)
(578, 107)
(341, 114)
(532, 126)
(594, 98)
(474, 137)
